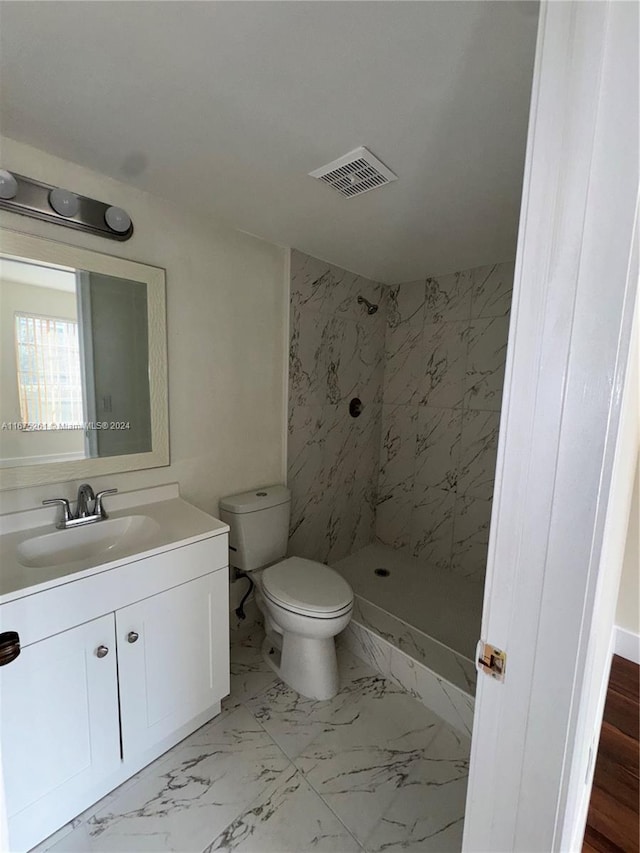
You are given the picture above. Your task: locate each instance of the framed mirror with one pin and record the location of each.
(83, 363)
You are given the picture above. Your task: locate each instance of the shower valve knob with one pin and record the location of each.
(355, 407)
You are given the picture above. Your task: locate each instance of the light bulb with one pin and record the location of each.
(8, 184)
(117, 219)
(64, 202)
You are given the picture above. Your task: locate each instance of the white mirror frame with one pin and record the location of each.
(49, 251)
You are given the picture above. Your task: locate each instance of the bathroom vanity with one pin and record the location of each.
(123, 649)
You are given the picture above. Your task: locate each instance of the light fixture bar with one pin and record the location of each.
(37, 199)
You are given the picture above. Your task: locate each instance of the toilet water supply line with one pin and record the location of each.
(240, 608)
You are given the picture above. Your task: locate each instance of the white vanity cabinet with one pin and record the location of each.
(172, 665)
(59, 719)
(114, 669)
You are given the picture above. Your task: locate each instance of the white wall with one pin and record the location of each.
(226, 315)
(628, 610)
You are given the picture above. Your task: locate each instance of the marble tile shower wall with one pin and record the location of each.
(336, 353)
(445, 350)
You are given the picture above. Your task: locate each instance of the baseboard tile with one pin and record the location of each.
(446, 700)
(627, 644)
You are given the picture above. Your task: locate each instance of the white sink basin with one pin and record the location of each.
(113, 537)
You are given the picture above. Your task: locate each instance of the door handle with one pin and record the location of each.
(132, 636)
(102, 651)
(9, 647)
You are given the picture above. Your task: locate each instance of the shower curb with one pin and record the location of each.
(452, 704)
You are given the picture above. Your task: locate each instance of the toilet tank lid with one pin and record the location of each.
(256, 499)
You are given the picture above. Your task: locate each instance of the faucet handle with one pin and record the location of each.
(98, 509)
(66, 509)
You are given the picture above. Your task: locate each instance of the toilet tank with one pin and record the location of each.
(259, 526)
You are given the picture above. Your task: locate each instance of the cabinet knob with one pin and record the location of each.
(9, 647)
(132, 636)
(102, 651)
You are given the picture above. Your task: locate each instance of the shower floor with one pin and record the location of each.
(432, 615)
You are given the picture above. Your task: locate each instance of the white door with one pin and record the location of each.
(552, 575)
(59, 725)
(173, 655)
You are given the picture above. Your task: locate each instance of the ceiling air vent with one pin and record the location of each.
(355, 173)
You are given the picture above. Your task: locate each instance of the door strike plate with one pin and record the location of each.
(491, 660)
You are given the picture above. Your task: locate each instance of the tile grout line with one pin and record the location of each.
(247, 808)
(337, 817)
(296, 768)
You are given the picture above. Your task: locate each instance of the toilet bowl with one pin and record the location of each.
(305, 603)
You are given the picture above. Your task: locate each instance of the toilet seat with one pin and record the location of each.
(308, 588)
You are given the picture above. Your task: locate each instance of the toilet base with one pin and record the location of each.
(302, 650)
(272, 652)
(307, 665)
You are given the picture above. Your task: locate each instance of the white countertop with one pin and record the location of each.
(179, 523)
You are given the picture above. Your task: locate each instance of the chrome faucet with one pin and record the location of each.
(83, 514)
(85, 494)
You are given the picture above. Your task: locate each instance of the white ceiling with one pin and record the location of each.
(227, 106)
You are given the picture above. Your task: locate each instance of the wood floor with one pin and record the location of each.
(613, 824)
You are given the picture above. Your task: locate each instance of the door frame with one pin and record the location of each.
(85, 329)
(564, 473)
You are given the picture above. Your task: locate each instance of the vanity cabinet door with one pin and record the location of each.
(173, 658)
(59, 727)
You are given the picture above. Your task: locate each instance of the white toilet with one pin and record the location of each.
(305, 604)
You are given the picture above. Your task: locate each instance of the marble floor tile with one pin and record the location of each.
(372, 769)
(189, 795)
(294, 721)
(249, 672)
(428, 814)
(288, 818)
(359, 768)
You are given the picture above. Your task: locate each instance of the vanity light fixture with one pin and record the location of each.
(8, 184)
(29, 197)
(64, 202)
(117, 219)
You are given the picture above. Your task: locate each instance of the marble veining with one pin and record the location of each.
(445, 350)
(441, 381)
(336, 353)
(373, 769)
(416, 470)
(450, 702)
(429, 368)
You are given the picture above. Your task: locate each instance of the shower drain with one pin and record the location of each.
(382, 573)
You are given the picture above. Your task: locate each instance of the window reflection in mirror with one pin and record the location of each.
(74, 371)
